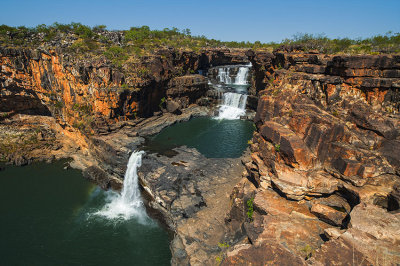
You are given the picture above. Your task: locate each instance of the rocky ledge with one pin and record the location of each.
(192, 194)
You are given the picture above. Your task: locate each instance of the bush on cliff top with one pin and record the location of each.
(388, 43)
(139, 41)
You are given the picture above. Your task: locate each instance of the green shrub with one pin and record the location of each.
(82, 30)
(161, 102)
(99, 28)
(223, 245)
(277, 147)
(307, 251)
(250, 209)
(84, 45)
(58, 104)
(116, 54)
(143, 72)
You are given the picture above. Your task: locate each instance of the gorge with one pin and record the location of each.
(315, 179)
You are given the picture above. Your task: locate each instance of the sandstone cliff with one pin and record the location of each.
(87, 96)
(324, 172)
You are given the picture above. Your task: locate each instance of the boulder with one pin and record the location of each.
(328, 214)
(173, 107)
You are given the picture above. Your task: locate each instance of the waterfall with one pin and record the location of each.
(241, 77)
(223, 75)
(129, 203)
(234, 106)
(232, 81)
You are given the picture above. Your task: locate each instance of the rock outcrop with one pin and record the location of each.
(186, 90)
(191, 192)
(324, 159)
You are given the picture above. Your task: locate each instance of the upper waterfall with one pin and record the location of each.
(241, 77)
(233, 75)
(224, 75)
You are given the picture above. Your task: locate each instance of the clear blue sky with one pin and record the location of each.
(220, 19)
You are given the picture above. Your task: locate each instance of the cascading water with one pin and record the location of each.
(241, 77)
(229, 76)
(129, 203)
(224, 75)
(234, 106)
(233, 103)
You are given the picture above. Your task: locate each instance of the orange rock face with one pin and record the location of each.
(72, 93)
(327, 141)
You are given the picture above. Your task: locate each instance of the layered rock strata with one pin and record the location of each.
(88, 96)
(324, 168)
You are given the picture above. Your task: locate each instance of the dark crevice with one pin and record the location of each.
(277, 190)
(324, 237)
(393, 204)
(351, 198)
(370, 129)
(345, 222)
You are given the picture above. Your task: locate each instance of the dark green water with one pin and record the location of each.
(47, 219)
(211, 137)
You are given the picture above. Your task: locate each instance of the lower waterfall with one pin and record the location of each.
(129, 203)
(234, 106)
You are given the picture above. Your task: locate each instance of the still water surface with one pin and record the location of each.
(47, 218)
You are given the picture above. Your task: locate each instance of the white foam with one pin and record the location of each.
(234, 106)
(129, 203)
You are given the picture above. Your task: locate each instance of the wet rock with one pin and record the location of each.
(19, 160)
(252, 102)
(98, 176)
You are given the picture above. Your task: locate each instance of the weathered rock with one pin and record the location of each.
(191, 191)
(98, 176)
(327, 132)
(172, 106)
(328, 214)
(267, 253)
(187, 89)
(333, 233)
(19, 160)
(376, 222)
(373, 239)
(327, 140)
